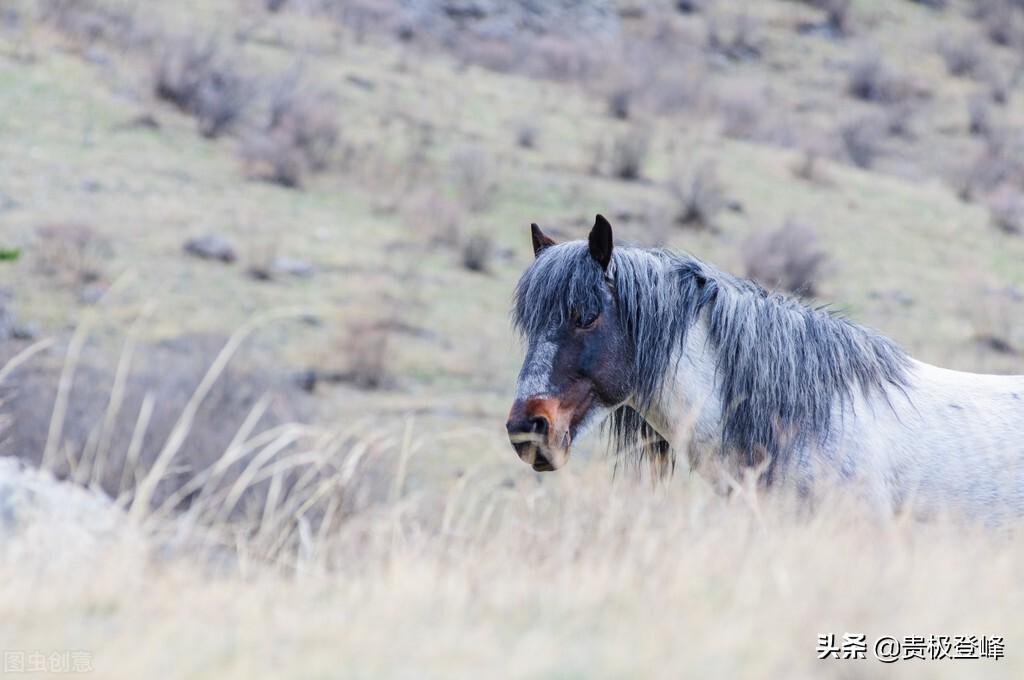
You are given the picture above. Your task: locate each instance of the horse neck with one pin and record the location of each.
(688, 410)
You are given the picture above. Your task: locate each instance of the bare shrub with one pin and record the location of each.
(477, 252)
(979, 116)
(862, 140)
(194, 75)
(1002, 21)
(71, 253)
(983, 174)
(838, 17)
(869, 78)
(273, 158)
(431, 215)
(962, 56)
(838, 21)
(677, 89)
(1001, 85)
(620, 101)
(367, 352)
(560, 57)
(307, 117)
(301, 134)
(90, 21)
(496, 55)
(789, 258)
(473, 172)
(994, 314)
(741, 115)
(1007, 211)
(698, 196)
(899, 119)
(627, 155)
(809, 167)
(740, 43)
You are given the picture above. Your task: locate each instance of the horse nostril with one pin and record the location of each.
(538, 425)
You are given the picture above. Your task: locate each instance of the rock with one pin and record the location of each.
(56, 530)
(25, 331)
(292, 266)
(306, 380)
(211, 247)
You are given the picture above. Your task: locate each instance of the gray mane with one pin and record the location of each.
(782, 366)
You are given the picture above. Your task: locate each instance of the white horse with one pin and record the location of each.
(677, 356)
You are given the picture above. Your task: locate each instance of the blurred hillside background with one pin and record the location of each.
(350, 183)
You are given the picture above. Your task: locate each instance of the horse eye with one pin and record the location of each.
(585, 320)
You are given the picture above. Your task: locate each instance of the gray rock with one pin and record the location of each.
(211, 247)
(292, 266)
(54, 529)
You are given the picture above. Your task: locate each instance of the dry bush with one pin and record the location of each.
(789, 258)
(741, 114)
(979, 116)
(477, 252)
(963, 56)
(682, 88)
(90, 21)
(809, 168)
(995, 316)
(1007, 211)
(899, 119)
(625, 157)
(1002, 21)
(561, 57)
(1001, 85)
(492, 54)
(308, 118)
(870, 79)
(620, 100)
(274, 159)
(838, 20)
(989, 170)
(71, 253)
(367, 355)
(301, 134)
(432, 216)
(473, 172)
(739, 43)
(862, 140)
(838, 16)
(195, 75)
(698, 196)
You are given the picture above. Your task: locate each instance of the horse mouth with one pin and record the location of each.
(542, 464)
(541, 458)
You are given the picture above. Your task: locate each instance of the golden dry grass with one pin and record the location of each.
(570, 576)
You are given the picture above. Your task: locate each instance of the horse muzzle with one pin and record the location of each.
(539, 433)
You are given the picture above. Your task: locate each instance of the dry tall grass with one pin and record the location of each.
(356, 568)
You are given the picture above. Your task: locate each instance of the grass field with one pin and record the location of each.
(427, 549)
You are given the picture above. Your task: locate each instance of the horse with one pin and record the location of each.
(672, 355)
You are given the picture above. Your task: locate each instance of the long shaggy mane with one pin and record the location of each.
(782, 366)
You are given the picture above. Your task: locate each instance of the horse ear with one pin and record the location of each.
(601, 241)
(540, 240)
